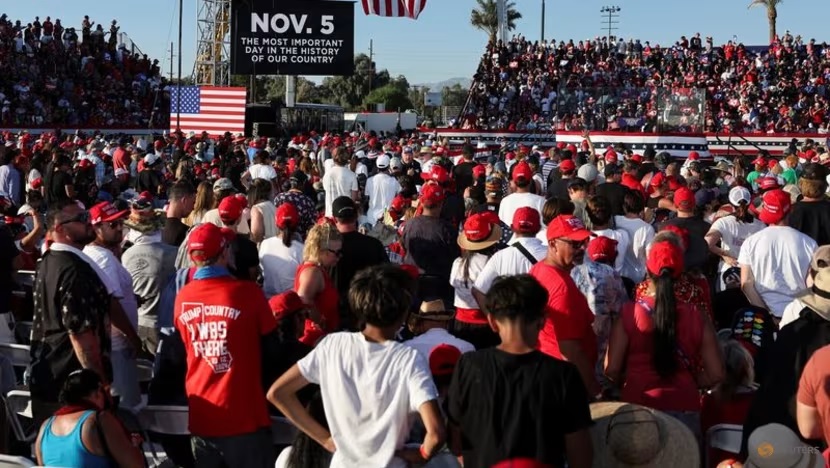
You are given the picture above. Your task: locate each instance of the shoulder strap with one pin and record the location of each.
(101, 436)
(518, 245)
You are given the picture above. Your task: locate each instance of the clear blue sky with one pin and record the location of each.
(441, 44)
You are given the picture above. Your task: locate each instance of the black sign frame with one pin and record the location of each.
(292, 37)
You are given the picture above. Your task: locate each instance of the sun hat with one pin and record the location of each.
(817, 297)
(775, 446)
(479, 233)
(739, 194)
(434, 310)
(628, 435)
(820, 255)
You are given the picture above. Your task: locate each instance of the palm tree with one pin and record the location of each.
(772, 14)
(486, 17)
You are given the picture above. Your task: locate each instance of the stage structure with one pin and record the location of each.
(213, 43)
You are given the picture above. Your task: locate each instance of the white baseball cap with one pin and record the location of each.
(382, 161)
(739, 194)
(151, 159)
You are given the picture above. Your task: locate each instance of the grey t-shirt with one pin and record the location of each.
(151, 265)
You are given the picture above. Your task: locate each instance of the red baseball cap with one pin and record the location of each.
(682, 233)
(684, 199)
(610, 156)
(776, 205)
(526, 220)
(636, 159)
(432, 194)
(665, 255)
(85, 164)
(479, 170)
(602, 249)
(208, 239)
(567, 227)
(443, 359)
(437, 173)
(105, 212)
(230, 208)
(286, 303)
(567, 165)
(768, 183)
(572, 148)
(522, 172)
(760, 161)
(657, 180)
(287, 216)
(772, 163)
(561, 145)
(674, 183)
(36, 183)
(694, 156)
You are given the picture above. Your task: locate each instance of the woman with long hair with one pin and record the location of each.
(82, 433)
(305, 452)
(279, 256)
(203, 204)
(262, 210)
(478, 242)
(731, 231)
(667, 348)
(314, 284)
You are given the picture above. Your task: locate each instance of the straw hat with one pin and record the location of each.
(776, 445)
(818, 296)
(628, 435)
(434, 310)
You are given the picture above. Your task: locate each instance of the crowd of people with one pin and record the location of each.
(405, 303)
(623, 84)
(55, 75)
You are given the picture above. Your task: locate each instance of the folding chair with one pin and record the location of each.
(145, 370)
(19, 407)
(18, 354)
(9, 461)
(726, 437)
(161, 419)
(283, 431)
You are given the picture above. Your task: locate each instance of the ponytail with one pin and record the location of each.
(665, 325)
(287, 234)
(742, 213)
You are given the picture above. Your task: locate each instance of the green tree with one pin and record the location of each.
(486, 17)
(393, 96)
(454, 95)
(772, 14)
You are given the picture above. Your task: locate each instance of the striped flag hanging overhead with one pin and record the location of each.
(394, 8)
(211, 109)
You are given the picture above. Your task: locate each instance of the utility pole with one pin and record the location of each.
(371, 68)
(179, 84)
(543, 20)
(171, 62)
(610, 14)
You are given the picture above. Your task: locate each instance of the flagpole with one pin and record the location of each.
(179, 84)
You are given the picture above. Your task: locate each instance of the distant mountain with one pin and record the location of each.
(435, 87)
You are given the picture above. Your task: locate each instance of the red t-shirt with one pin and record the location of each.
(812, 388)
(121, 159)
(568, 315)
(221, 321)
(643, 386)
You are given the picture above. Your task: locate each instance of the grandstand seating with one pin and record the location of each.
(54, 77)
(629, 85)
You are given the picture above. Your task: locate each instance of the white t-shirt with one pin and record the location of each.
(371, 394)
(381, 189)
(623, 244)
(279, 265)
(733, 235)
(464, 289)
(514, 201)
(510, 261)
(123, 285)
(779, 257)
(791, 312)
(212, 216)
(641, 234)
(425, 342)
(262, 171)
(339, 181)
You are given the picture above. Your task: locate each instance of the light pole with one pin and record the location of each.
(612, 13)
(543, 20)
(179, 83)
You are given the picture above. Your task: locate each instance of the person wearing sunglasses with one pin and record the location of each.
(108, 223)
(568, 330)
(314, 284)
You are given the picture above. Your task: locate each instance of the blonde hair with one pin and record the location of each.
(320, 238)
(203, 203)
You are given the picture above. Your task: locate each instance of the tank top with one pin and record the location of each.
(69, 450)
(326, 303)
(269, 212)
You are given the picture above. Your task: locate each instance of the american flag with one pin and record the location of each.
(396, 8)
(212, 109)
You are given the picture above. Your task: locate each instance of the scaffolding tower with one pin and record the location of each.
(213, 46)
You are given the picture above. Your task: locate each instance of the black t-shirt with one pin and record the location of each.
(57, 186)
(558, 188)
(813, 219)
(431, 244)
(8, 252)
(359, 251)
(463, 175)
(415, 166)
(615, 193)
(245, 257)
(174, 232)
(148, 180)
(453, 209)
(697, 253)
(516, 406)
(69, 298)
(725, 304)
(645, 168)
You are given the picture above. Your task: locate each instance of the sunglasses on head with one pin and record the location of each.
(82, 217)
